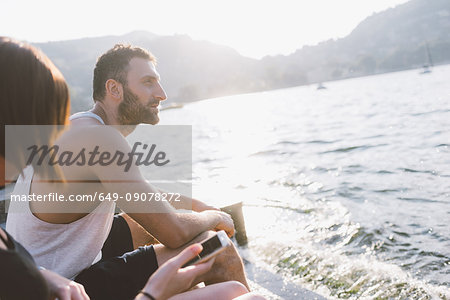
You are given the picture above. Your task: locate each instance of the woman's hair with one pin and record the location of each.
(32, 92)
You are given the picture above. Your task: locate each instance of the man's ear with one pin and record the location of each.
(114, 89)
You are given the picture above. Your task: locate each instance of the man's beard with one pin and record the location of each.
(133, 112)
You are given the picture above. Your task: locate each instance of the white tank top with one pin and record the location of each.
(86, 114)
(66, 249)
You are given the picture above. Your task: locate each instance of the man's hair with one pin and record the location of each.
(32, 92)
(114, 65)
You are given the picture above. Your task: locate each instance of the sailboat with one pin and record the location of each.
(426, 68)
(320, 86)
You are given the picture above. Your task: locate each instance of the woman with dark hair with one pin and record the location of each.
(32, 92)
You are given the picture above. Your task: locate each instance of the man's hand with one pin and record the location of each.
(62, 288)
(170, 279)
(225, 222)
(200, 206)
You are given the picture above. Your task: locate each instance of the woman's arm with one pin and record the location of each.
(170, 279)
(172, 282)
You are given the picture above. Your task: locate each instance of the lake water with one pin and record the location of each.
(346, 190)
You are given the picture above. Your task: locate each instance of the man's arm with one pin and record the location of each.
(189, 203)
(171, 228)
(176, 229)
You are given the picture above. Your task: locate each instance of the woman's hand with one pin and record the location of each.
(63, 288)
(170, 280)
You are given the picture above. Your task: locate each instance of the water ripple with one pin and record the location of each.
(346, 149)
(387, 191)
(321, 142)
(431, 112)
(408, 170)
(424, 200)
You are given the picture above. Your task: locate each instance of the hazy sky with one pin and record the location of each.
(254, 28)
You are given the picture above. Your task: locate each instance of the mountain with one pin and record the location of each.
(190, 70)
(392, 40)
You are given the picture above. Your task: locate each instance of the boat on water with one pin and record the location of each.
(320, 86)
(426, 68)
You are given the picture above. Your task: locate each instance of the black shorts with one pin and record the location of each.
(122, 272)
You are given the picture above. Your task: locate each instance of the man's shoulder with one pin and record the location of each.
(90, 150)
(91, 135)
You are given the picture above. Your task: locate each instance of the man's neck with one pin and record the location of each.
(109, 118)
(100, 110)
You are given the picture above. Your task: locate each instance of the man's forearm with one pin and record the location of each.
(195, 223)
(176, 229)
(184, 202)
(169, 226)
(189, 203)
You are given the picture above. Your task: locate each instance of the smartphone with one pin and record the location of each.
(211, 247)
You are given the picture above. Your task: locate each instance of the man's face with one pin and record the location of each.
(142, 94)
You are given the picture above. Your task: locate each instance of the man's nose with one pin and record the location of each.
(161, 94)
